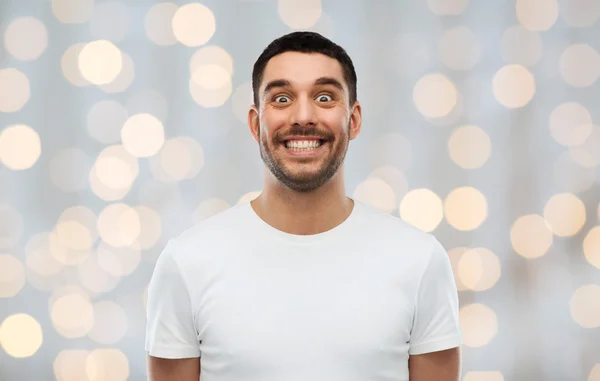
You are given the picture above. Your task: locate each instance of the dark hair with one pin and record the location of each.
(304, 42)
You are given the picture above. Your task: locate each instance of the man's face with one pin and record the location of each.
(304, 119)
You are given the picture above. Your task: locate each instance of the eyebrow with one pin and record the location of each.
(319, 82)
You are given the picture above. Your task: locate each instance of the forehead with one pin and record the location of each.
(302, 68)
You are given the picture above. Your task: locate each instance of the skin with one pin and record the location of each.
(303, 195)
(306, 94)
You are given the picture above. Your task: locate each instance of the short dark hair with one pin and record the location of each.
(304, 42)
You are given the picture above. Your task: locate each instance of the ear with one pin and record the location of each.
(253, 122)
(355, 120)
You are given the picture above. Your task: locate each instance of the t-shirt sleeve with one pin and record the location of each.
(436, 324)
(170, 329)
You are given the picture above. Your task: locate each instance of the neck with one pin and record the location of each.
(303, 213)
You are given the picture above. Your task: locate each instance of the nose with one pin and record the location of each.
(303, 113)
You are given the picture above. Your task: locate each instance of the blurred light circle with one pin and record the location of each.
(115, 168)
(460, 48)
(582, 157)
(11, 226)
(26, 38)
(447, 7)
(210, 98)
(94, 278)
(69, 365)
(521, 46)
(148, 101)
(150, 227)
(422, 208)
(580, 65)
(537, 15)
(514, 86)
(69, 168)
(580, 14)
(393, 177)
(211, 77)
(591, 145)
(571, 176)
(110, 323)
(479, 325)
(323, 26)
(66, 289)
(591, 247)
(72, 11)
(570, 124)
(248, 197)
(119, 225)
(12, 276)
(123, 79)
(111, 20)
(299, 14)
(211, 55)
(193, 24)
(105, 120)
(118, 261)
(21, 335)
(209, 208)
(479, 269)
(72, 315)
(76, 228)
(465, 208)
(107, 364)
(594, 373)
(158, 24)
(455, 256)
(143, 135)
(469, 147)
(70, 65)
(180, 158)
(531, 236)
(584, 306)
(38, 255)
(376, 193)
(100, 62)
(241, 101)
(14, 90)
(565, 213)
(434, 95)
(73, 235)
(453, 116)
(66, 255)
(20, 147)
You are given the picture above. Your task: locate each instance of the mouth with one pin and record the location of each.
(304, 148)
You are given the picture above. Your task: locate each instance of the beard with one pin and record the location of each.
(303, 178)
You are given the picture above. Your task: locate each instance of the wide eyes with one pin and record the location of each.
(282, 99)
(286, 99)
(324, 98)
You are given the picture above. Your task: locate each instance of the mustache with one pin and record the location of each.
(306, 132)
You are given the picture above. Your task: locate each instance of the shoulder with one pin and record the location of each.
(210, 233)
(396, 231)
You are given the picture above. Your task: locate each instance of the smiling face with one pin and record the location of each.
(304, 123)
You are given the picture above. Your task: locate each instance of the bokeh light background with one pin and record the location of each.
(123, 123)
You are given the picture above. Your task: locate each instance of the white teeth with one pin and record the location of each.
(302, 145)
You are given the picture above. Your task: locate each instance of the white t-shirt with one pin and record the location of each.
(259, 304)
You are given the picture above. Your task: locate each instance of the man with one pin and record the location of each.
(303, 282)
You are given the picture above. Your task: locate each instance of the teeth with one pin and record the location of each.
(302, 145)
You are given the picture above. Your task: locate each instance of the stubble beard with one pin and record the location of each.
(304, 182)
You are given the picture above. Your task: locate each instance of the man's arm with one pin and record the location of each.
(435, 366)
(160, 369)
